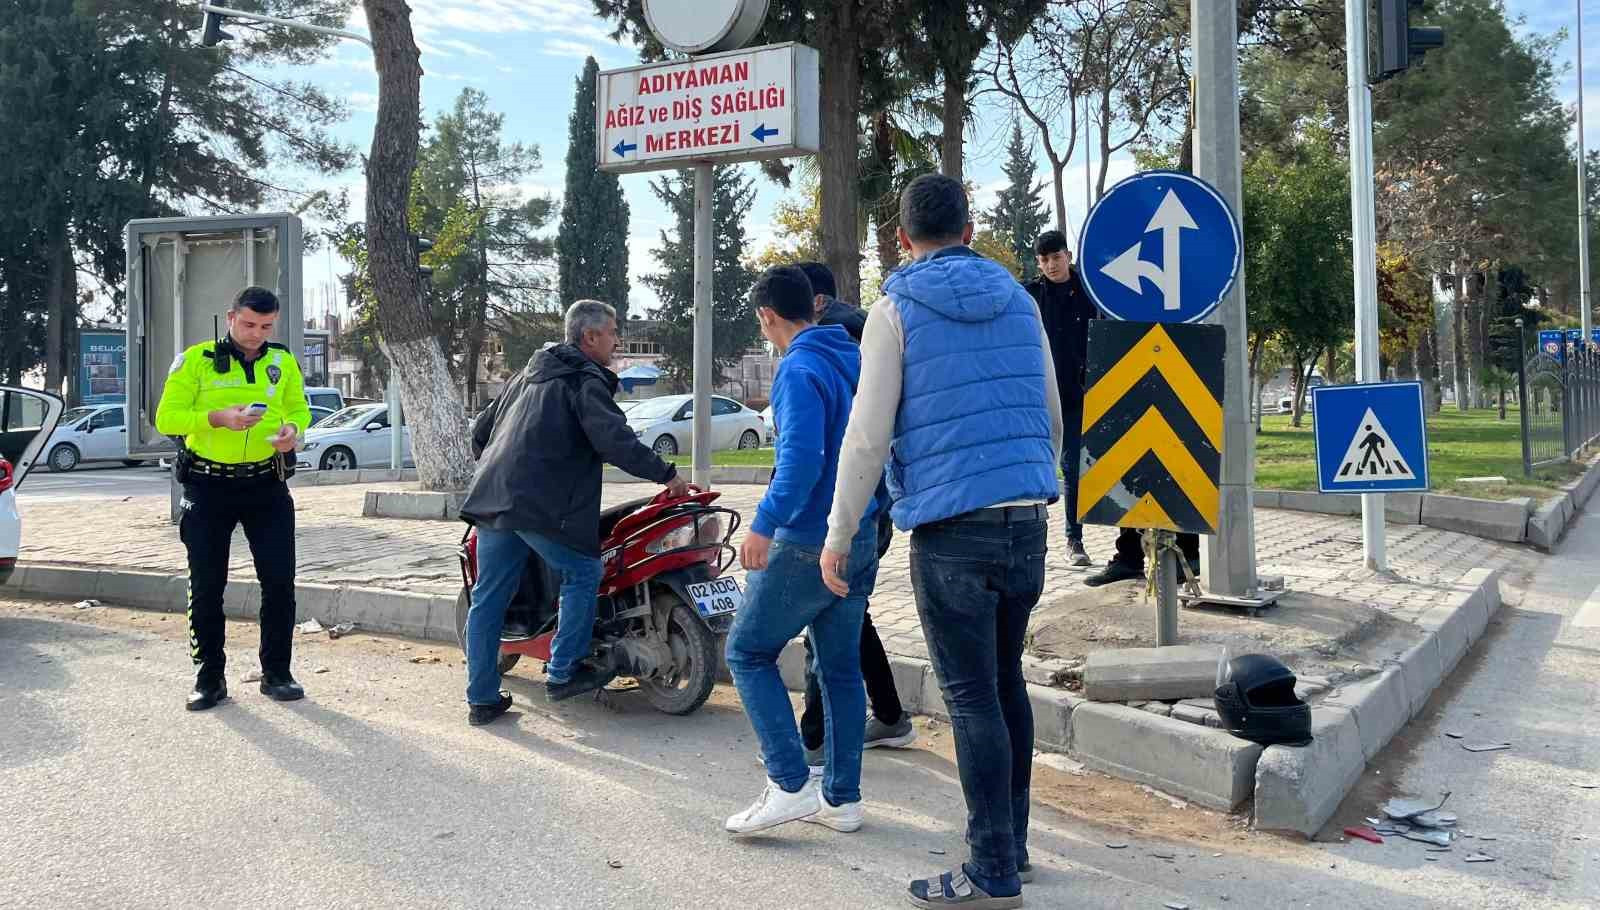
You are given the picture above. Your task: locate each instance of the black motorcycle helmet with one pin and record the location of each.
(1255, 698)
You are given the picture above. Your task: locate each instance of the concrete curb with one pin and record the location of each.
(1297, 788)
(341, 478)
(421, 505)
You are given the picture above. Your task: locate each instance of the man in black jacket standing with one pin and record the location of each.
(1065, 308)
(541, 446)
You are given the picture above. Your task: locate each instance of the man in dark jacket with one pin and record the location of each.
(542, 445)
(1065, 308)
(889, 726)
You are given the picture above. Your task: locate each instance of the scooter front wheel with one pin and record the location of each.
(694, 660)
(463, 604)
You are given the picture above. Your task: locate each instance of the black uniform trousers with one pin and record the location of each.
(1130, 548)
(212, 508)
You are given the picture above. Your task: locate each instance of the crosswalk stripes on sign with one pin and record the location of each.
(1372, 455)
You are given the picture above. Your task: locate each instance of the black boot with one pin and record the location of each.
(478, 715)
(206, 695)
(1115, 571)
(586, 679)
(281, 687)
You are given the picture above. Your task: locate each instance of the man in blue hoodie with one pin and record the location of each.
(784, 591)
(957, 381)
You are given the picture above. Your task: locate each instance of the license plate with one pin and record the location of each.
(716, 597)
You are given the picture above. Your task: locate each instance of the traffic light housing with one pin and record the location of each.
(420, 245)
(213, 32)
(1399, 44)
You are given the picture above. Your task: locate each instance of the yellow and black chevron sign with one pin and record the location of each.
(1152, 426)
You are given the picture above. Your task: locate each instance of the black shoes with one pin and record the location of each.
(281, 688)
(478, 715)
(206, 695)
(586, 679)
(1114, 571)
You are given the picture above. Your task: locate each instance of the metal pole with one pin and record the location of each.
(1364, 248)
(704, 191)
(396, 421)
(1522, 404)
(1166, 589)
(1585, 314)
(287, 23)
(1230, 554)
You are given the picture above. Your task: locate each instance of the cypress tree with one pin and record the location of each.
(1018, 215)
(592, 242)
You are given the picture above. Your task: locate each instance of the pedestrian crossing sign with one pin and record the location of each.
(1370, 438)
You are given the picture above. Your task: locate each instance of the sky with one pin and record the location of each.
(526, 54)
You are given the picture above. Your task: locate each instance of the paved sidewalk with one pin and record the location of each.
(1318, 555)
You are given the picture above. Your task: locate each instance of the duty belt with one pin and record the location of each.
(272, 467)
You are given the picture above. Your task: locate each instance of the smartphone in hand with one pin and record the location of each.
(257, 409)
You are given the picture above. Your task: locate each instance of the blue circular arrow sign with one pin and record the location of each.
(1161, 246)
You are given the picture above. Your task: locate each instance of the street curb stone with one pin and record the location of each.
(1298, 788)
(1206, 766)
(1322, 503)
(1379, 705)
(341, 478)
(1506, 520)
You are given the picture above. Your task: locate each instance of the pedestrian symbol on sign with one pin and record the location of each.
(1372, 455)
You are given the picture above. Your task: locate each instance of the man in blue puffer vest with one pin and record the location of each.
(785, 593)
(958, 382)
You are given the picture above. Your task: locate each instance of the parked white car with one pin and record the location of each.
(356, 437)
(27, 418)
(97, 432)
(325, 397)
(772, 426)
(666, 424)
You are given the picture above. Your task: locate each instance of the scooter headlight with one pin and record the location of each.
(675, 539)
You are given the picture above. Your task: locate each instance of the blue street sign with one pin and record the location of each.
(1552, 343)
(1370, 438)
(1596, 336)
(1160, 247)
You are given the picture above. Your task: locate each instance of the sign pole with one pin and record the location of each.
(704, 192)
(1166, 589)
(1364, 250)
(1585, 314)
(1230, 555)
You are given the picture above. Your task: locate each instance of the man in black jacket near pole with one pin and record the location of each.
(1065, 309)
(541, 446)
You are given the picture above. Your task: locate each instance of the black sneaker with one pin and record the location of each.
(1114, 571)
(281, 688)
(478, 715)
(586, 679)
(1077, 556)
(206, 695)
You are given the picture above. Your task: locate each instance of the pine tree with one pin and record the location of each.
(734, 327)
(1019, 215)
(592, 243)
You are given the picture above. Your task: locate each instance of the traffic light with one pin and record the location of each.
(420, 245)
(213, 32)
(1399, 44)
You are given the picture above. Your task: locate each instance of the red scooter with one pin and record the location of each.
(663, 603)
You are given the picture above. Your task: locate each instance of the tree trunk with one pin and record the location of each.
(1105, 142)
(432, 407)
(58, 255)
(1458, 331)
(1186, 147)
(1302, 377)
(954, 121)
(838, 160)
(1502, 403)
(1255, 375)
(886, 212)
(1333, 367)
(1058, 181)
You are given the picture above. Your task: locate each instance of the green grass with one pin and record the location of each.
(1470, 444)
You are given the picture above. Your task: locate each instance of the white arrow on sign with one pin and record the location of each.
(1170, 218)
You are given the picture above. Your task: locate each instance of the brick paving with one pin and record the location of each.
(1315, 553)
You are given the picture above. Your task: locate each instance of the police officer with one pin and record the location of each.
(238, 406)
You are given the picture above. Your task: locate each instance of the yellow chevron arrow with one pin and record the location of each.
(1151, 433)
(1155, 351)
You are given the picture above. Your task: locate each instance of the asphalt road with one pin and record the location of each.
(94, 481)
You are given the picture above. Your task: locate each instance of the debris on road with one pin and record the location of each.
(1406, 809)
(251, 676)
(1485, 747)
(319, 669)
(1117, 846)
(309, 627)
(341, 630)
(1174, 905)
(1365, 833)
(1586, 784)
(86, 604)
(1455, 735)
(1478, 858)
(936, 851)
(614, 863)
(424, 659)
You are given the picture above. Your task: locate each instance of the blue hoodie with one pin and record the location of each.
(974, 426)
(811, 397)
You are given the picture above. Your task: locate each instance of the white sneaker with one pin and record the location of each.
(776, 807)
(845, 818)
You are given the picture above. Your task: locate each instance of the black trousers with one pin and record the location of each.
(212, 508)
(881, 692)
(1130, 548)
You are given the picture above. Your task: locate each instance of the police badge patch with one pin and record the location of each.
(274, 373)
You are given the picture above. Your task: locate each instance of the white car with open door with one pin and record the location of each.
(27, 418)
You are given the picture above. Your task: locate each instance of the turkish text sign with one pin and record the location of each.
(723, 108)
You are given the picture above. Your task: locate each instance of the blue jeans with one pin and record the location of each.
(502, 555)
(976, 585)
(1071, 441)
(779, 602)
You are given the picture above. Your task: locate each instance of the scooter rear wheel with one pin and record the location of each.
(694, 655)
(463, 604)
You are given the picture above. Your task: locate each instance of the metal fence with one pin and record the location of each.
(1559, 397)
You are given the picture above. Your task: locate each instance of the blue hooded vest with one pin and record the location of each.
(973, 428)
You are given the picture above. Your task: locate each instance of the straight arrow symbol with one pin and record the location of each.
(1171, 218)
(762, 133)
(623, 147)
